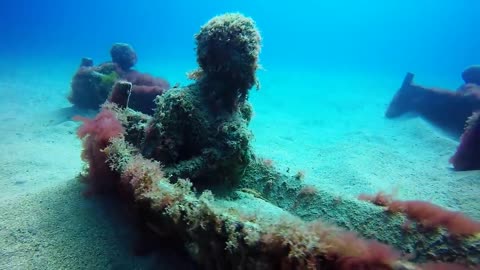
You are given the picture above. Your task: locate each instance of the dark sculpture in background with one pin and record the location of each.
(92, 85)
(453, 111)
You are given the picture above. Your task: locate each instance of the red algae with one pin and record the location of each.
(427, 214)
(96, 134)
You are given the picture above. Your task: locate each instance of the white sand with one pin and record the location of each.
(331, 128)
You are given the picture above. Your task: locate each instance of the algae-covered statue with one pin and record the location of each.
(200, 131)
(190, 176)
(92, 85)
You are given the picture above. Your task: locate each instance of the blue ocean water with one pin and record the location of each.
(437, 37)
(329, 69)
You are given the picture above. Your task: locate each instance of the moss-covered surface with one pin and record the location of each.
(228, 48)
(368, 220)
(91, 86)
(267, 222)
(194, 142)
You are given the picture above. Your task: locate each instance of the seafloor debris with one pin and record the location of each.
(92, 85)
(235, 211)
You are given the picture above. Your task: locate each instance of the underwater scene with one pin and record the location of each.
(240, 134)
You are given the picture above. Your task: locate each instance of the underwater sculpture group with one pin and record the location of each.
(189, 172)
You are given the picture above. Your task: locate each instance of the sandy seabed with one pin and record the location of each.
(304, 121)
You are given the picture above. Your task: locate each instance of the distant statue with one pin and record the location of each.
(92, 85)
(445, 108)
(448, 110)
